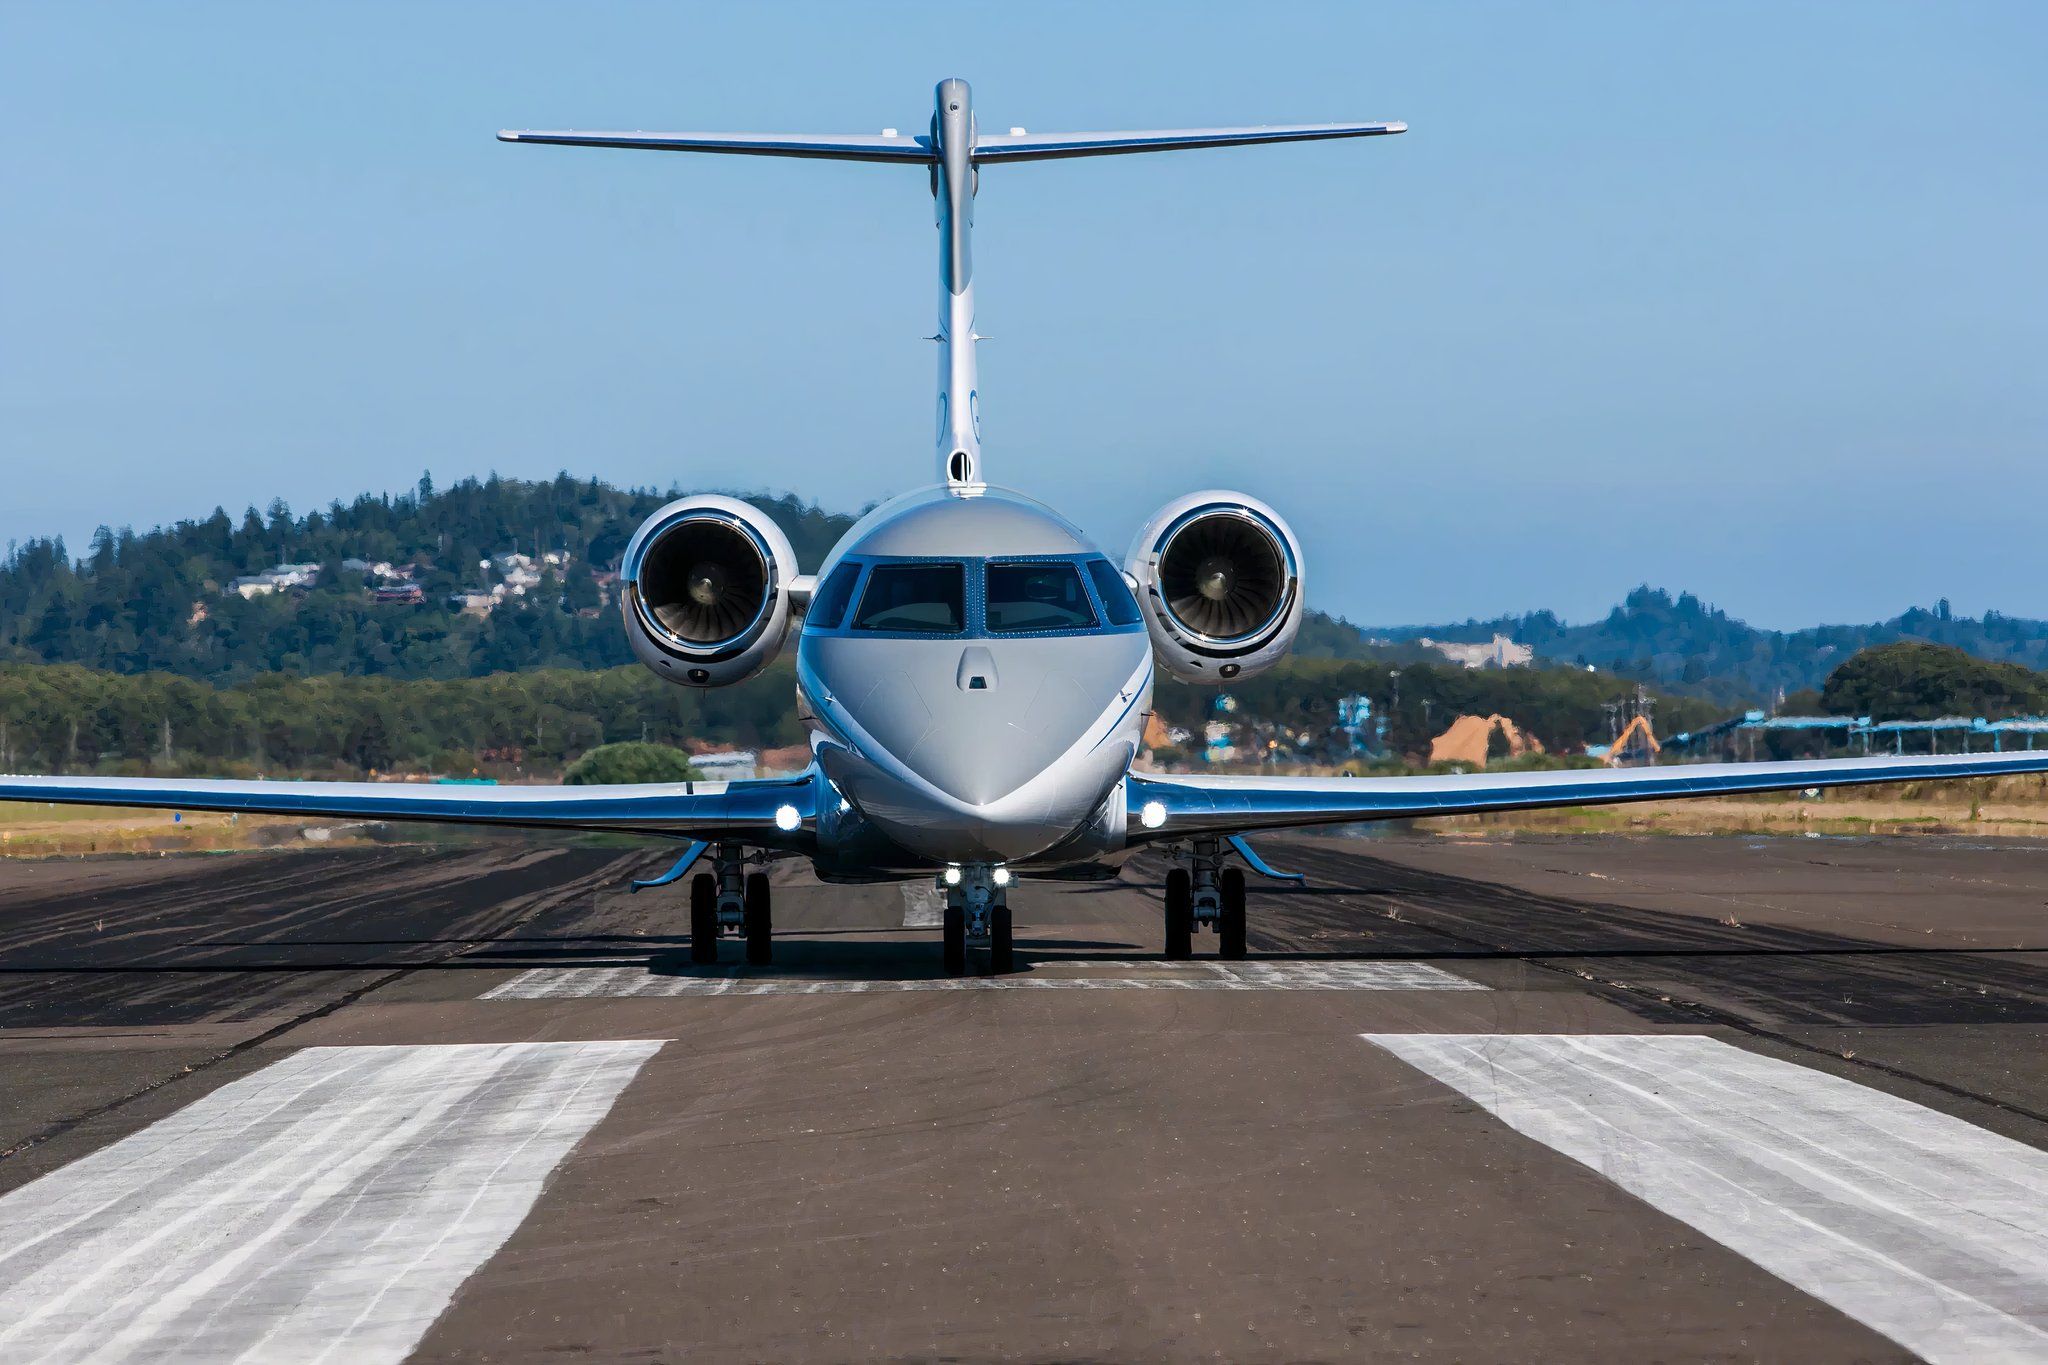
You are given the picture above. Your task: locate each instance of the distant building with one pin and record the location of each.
(398, 594)
(473, 603)
(1500, 652)
(273, 580)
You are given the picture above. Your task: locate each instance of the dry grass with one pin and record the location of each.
(39, 830)
(2006, 807)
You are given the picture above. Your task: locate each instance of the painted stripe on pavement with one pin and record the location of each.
(326, 1207)
(576, 983)
(1922, 1226)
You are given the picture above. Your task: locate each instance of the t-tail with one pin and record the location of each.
(953, 151)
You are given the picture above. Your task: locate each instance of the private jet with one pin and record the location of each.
(973, 672)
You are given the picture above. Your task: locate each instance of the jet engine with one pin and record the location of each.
(1219, 577)
(705, 590)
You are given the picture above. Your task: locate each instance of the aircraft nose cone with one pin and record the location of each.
(981, 720)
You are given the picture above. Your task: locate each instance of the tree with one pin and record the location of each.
(1913, 680)
(630, 762)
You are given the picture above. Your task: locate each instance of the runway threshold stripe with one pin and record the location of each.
(326, 1207)
(581, 983)
(1921, 1226)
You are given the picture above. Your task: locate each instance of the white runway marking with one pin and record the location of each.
(576, 983)
(923, 906)
(326, 1207)
(1923, 1227)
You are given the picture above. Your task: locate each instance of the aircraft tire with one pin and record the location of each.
(1230, 924)
(1002, 959)
(703, 918)
(956, 941)
(759, 921)
(1180, 915)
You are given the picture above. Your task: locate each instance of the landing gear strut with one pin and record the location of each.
(730, 900)
(1204, 894)
(977, 916)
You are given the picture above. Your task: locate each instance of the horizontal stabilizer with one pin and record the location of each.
(1051, 146)
(988, 148)
(854, 147)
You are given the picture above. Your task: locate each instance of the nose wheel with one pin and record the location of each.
(977, 915)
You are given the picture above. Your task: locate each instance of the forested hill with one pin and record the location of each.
(372, 583)
(1682, 644)
(162, 600)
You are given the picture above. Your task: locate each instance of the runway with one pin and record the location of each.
(1531, 1099)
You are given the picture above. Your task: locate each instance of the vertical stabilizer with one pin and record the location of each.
(953, 153)
(953, 185)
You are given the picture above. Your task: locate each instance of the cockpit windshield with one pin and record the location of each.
(924, 599)
(1037, 596)
(1042, 595)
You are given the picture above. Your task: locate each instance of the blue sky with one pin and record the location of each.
(1749, 299)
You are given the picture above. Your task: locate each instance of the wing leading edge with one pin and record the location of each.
(777, 813)
(989, 148)
(1162, 808)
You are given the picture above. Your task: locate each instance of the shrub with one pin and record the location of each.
(632, 762)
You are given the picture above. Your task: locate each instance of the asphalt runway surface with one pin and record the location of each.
(1566, 1098)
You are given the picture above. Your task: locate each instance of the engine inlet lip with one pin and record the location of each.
(1246, 641)
(710, 651)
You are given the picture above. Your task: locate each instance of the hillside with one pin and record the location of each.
(169, 601)
(503, 575)
(1682, 645)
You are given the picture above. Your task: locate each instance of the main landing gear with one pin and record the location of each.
(977, 916)
(1205, 894)
(730, 900)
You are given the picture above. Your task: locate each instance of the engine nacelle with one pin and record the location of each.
(704, 588)
(1219, 577)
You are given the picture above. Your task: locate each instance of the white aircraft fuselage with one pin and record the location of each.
(991, 733)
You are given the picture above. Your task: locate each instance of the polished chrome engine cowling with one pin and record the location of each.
(1219, 577)
(705, 590)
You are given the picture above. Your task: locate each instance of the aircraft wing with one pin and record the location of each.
(1177, 807)
(778, 813)
(1052, 146)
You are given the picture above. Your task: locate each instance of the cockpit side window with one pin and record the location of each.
(1117, 602)
(1037, 596)
(921, 599)
(834, 596)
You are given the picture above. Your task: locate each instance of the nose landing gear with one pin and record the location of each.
(731, 900)
(1205, 895)
(977, 916)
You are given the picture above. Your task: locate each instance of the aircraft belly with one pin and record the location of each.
(1043, 813)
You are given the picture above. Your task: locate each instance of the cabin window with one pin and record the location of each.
(1027, 597)
(922, 599)
(1117, 602)
(833, 597)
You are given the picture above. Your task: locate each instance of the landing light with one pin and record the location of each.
(1152, 815)
(1001, 876)
(787, 818)
(953, 876)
